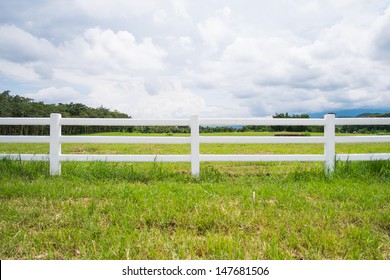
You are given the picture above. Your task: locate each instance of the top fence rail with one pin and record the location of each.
(329, 122)
(202, 121)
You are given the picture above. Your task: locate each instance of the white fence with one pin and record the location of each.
(329, 140)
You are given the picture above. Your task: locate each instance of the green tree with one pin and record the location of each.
(19, 106)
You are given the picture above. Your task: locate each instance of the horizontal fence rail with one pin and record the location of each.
(329, 140)
(125, 140)
(24, 121)
(123, 122)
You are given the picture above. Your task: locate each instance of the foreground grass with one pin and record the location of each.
(158, 211)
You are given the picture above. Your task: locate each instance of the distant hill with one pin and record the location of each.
(352, 112)
(374, 115)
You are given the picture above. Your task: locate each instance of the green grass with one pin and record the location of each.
(102, 210)
(185, 149)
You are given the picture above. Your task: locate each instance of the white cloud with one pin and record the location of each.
(217, 29)
(20, 46)
(381, 42)
(17, 71)
(173, 103)
(220, 58)
(272, 74)
(101, 51)
(171, 100)
(57, 95)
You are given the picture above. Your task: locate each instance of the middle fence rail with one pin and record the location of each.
(329, 122)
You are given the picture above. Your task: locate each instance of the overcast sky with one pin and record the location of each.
(172, 59)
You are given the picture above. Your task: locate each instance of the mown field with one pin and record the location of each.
(159, 211)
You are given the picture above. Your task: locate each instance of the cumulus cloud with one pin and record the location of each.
(173, 103)
(171, 100)
(19, 46)
(117, 70)
(270, 74)
(224, 58)
(57, 95)
(16, 71)
(381, 43)
(101, 51)
(217, 29)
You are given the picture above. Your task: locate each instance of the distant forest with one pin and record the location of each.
(366, 129)
(18, 106)
(21, 107)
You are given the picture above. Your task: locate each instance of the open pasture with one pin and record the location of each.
(100, 210)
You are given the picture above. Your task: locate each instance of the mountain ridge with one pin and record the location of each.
(348, 113)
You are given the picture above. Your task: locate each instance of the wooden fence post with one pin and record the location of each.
(195, 146)
(330, 143)
(55, 144)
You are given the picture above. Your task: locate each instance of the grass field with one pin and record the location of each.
(159, 211)
(205, 148)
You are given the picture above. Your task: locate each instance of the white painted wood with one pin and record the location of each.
(362, 139)
(329, 122)
(330, 144)
(24, 139)
(195, 146)
(127, 158)
(125, 139)
(24, 121)
(123, 122)
(362, 121)
(55, 144)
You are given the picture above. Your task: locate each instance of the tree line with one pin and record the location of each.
(287, 128)
(367, 129)
(19, 106)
